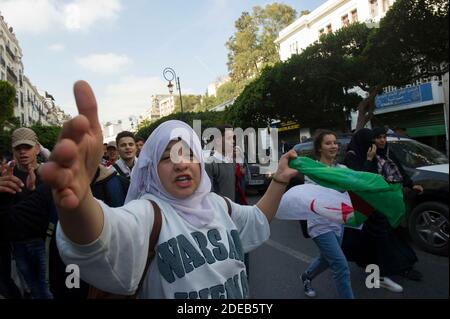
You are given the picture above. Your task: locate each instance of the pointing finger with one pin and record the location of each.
(86, 104)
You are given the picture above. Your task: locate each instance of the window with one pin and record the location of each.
(329, 28)
(321, 31)
(345, 20)
(294, 47)
(373, 8)
(354, 14)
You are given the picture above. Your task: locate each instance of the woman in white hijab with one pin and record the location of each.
(200, 248)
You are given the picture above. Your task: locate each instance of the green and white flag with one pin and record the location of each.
(342, 195)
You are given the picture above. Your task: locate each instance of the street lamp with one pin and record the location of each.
(170, 75)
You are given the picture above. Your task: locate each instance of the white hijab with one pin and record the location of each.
(196, 209)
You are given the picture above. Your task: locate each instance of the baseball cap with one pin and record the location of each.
(23, 135)
(112, 144)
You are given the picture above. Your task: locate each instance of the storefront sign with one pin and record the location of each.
(287, 126)
(414, 94)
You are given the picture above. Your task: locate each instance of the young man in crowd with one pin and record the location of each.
(29, 252)
(126, 145)
(111, 153)
(140, 141)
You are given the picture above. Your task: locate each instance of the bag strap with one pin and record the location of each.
(154, 235)
(227, 201)
(119, 170)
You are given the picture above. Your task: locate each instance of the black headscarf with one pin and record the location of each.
(360, 143)
(377, 131)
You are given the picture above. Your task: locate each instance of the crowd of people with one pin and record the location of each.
(98, 205)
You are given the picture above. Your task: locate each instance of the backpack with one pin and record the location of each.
(95, 293)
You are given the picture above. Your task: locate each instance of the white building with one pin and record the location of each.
(419, 108)
(11, 67)
(329, 17)
(166, 105)
(154, 113)
(213, 87)
(30, 106)
(110, 130)
(34, 104)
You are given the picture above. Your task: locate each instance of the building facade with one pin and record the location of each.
(30, 106)
(166, 105)
(11, 66)
(213, 87)
(110, 131)
(329, 17)
(420, 109)
(34, 105)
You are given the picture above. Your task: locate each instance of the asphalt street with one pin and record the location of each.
(275, 269)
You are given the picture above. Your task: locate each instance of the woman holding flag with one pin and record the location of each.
(326, 233)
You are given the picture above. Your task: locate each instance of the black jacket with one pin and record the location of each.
(354, 162)
(28, 218)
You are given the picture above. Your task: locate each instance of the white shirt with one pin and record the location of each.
(124, 167)
(189, 262)
(320, 225)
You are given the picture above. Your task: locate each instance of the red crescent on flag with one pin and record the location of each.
(312, 206)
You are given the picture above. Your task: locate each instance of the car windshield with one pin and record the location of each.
(415, 154)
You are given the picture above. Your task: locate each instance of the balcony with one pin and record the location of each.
(11, 76)
(11, 54)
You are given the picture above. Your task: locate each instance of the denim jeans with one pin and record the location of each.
(31, 262)
(331, 256)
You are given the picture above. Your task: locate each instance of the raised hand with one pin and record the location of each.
(7, 169)
(77, 154)
(371, 152)
(31, 178)
(284, 173)
(268, 204)
(8, 182)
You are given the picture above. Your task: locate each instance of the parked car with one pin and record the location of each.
(427, 218)
(256, 179)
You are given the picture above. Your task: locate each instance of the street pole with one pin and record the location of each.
(179, 91)
(170, 75)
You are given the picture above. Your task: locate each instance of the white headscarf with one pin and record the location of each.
(196, 209)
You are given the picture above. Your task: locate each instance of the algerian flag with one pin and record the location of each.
(344, 195)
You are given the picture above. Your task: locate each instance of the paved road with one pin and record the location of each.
(276, 265)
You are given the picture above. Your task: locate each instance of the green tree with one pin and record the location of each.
(207, 102)
(411, 43)
(7, 96)
(47, 135)
(190, 103)
(311, 87)
(208, 119)
(252, 46)
(315, 86)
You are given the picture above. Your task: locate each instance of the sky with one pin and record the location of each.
(121, 47)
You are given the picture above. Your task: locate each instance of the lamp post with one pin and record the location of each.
(170, 75)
